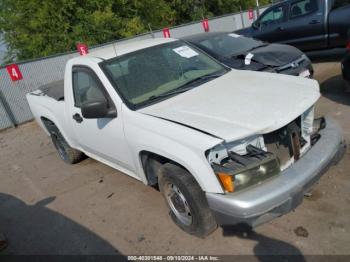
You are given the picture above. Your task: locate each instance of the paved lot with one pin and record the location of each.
(48, 207)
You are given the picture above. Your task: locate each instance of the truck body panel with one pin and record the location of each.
(224, 106)
(232, 116)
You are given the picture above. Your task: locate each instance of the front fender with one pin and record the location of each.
(178, 143)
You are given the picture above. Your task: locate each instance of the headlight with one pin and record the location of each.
(307, 120)
(240, 172)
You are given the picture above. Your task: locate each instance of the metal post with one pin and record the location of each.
(7, 109)
(257, 9)
(150, 29)
(242, 19)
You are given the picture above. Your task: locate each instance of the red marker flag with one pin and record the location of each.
(250, 13)
(205, 24)
(14, 72)
(166, 32)
(82, 49)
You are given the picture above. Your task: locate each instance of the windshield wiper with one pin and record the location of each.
(177, 91)
(205, 77)
(183, 88)
(243, 54)
(256, 47)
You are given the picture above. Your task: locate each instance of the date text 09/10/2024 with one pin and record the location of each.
(173, 258)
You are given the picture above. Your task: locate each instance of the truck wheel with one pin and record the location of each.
(66, 153)
(187, 202)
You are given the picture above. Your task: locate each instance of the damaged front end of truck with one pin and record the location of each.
(252, 161)
(266, 176)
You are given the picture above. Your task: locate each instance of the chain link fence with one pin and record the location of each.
(14, 108)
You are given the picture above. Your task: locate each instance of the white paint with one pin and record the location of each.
(107, 52)
(240, 104)
(14, 72)
(234, 35)
(248, 58)
(305, 73)
(185, 51)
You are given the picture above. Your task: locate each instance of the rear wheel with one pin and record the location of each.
(187, 202)
(66, 153)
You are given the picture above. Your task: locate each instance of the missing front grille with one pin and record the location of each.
(286, 142)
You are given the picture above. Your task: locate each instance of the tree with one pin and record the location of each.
(187, 11)
(33, 28)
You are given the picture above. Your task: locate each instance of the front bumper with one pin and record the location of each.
(296, 71)
(280, 195)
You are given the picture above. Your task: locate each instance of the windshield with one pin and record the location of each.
(144, 76)
(228, 45)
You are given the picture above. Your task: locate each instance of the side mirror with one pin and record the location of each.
(256, 25)
(97, 109)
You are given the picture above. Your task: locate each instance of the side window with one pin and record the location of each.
(303, 7)
(85, 88)
(276, 15)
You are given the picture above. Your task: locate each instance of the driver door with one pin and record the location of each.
(102, 137)
(306, 28)
(271, 24)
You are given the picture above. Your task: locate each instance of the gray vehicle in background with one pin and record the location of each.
(305, 24)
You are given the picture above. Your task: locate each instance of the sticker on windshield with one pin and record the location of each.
(185, 51)
(248, 58)
(234, 35)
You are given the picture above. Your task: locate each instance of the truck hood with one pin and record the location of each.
(240, 104)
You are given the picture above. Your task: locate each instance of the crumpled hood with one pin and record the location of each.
(240, 104)
(276, 54)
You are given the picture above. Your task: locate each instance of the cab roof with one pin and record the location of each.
(122, 48)
(203, 36)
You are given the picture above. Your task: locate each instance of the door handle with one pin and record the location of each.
(314, 22)
(77, 118)
(281, 28)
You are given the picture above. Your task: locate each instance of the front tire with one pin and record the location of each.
(187, 202)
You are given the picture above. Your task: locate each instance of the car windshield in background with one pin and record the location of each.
(229, 44)
(149, 75)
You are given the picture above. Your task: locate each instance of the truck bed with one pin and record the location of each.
(54, 89)
(48, 102)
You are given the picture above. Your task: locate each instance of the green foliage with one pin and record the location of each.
(186, 11)
(33, 28)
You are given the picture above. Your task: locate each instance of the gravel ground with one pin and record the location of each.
(48, 207)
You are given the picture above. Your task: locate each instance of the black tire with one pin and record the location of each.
(67, 154)
(202, 219)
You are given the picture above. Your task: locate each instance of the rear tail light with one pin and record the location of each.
(348, 45)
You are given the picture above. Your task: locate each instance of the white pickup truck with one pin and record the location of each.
(224, 146)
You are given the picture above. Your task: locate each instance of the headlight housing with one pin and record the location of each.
(239, 172)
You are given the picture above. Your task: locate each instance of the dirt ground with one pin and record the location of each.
(48, 207)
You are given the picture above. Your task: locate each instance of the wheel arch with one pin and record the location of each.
(51, 126)
(48, 124)
(152, 161)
